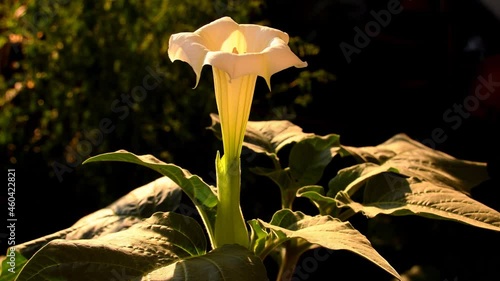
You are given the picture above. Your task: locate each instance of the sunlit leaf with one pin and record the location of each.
(379, 154)
(267, 137)
(159, 195)
(412, 158)
(327, 232)
(202, 195)
(352, 178)
(316, 194)
(160, 240)
(226, 263)
(391, 194)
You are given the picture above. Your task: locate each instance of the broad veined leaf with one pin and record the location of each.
(439, 169)
(392, 194)
(352, 178)
(316, 194)
(160, 240)
(379, 154)
(267, 137)
(201, 194)
(412, 158)
(159, 195)
(226, 263)
(310, 156)
(324, 231)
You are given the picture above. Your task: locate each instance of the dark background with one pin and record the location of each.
(423, 63)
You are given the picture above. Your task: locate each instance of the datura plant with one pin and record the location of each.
(149, 235)
(237, 54)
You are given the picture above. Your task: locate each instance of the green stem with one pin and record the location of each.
(287, 198)
(230, 226)
(287, 190)
(290, 255)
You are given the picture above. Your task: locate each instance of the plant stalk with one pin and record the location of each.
(287, 198)
(290, 254)
(230, 226)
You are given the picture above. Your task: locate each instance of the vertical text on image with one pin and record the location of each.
(11, 220)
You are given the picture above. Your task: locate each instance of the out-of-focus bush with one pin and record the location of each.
(85, 61)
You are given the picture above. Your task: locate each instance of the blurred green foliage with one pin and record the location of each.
(85, 77)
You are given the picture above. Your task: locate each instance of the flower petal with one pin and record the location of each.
(217, 32)
(187, 47)
(236, 49)
(272, 59)
(234, 100)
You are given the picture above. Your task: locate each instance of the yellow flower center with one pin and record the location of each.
(235, 43)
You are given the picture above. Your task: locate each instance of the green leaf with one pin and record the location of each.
(352, 178)
(441, 170)
(412, 158)
(414, 180)
(261, 242)
(229, 262)
(12, 264)
(159, 195)
(379, 154)
(310, 156)
(281, 177)
(266, 137)
(395, 195)
(324, 231)
(160, 240)
(308, 159)
(201, 194)
(316, 194)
